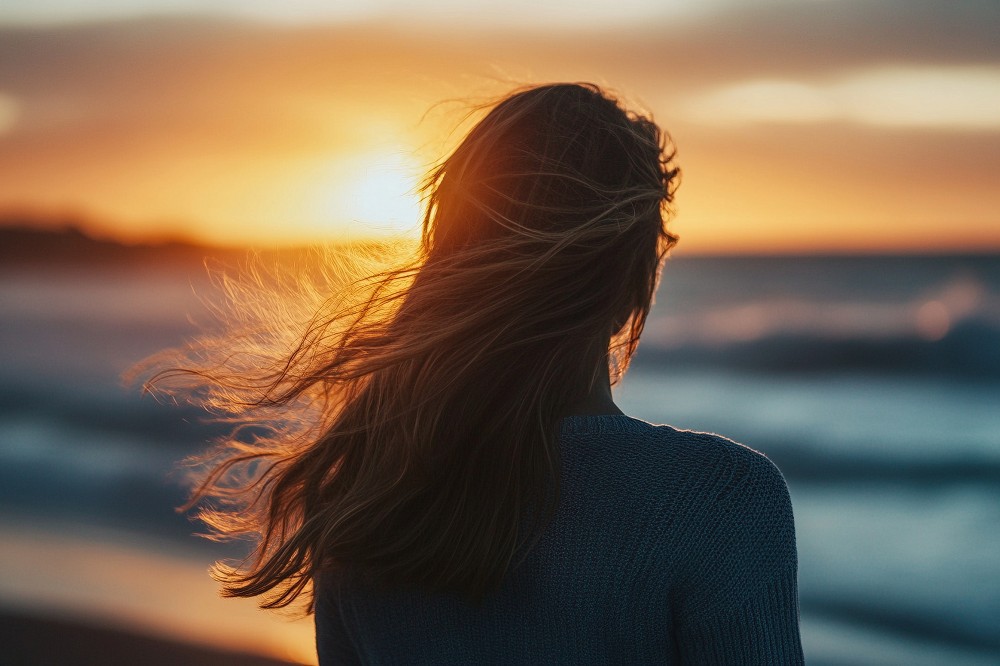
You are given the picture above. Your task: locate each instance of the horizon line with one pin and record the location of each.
(154, 241)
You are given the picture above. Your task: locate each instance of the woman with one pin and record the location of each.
(444, 473)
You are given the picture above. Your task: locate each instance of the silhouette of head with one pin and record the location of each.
(561, 182)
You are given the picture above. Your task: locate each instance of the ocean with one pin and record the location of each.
(872, 382)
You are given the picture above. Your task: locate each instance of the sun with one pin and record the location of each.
(368, 194)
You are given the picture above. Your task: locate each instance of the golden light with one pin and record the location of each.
(106, 578)
(371, 194)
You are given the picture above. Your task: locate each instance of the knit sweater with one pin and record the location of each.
(668, 547)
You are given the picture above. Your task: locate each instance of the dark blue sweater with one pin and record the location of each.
(669, 547)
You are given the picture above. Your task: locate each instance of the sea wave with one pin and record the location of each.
(970, 348)
(946, 326)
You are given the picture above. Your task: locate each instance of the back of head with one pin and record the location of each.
(561, 194)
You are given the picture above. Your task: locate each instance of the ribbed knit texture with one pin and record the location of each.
(668, 547)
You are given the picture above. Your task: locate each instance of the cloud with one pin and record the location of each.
(224, 121)
(943, 98)
(9, 112)
(558, 14)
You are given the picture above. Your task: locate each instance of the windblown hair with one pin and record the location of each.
(407, 428)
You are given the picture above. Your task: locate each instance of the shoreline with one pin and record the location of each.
(115, 589)
(32, 637)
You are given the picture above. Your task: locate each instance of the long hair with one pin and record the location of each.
(407, 429)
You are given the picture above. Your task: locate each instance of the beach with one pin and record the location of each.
(46, 639)
(871, 382)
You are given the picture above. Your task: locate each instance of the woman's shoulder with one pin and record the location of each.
(729, 475)
(697, 472)
(715, 452)
(692, 451)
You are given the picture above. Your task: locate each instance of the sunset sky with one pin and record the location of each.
(806, 125)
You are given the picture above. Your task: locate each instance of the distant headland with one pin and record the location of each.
(24, 242)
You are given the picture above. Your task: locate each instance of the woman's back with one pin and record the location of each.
(667, 547)
(408, 461)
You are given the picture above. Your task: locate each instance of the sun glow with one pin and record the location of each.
(368, 194)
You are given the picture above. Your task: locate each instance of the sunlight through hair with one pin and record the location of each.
(396, 412)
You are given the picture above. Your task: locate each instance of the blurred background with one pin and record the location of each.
(834, 301)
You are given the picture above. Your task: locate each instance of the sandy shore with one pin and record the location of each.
(63, 583)
(30, 640)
